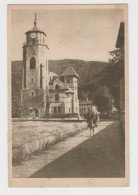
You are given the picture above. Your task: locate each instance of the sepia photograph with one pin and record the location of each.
(68, 95)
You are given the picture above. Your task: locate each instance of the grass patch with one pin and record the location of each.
(32, 137)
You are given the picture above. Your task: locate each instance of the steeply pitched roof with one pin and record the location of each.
(60, 83)
(53, 74)
(70, 72)
(89, 102)
(120, 38)
(69, 90)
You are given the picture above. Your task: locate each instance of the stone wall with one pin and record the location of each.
(33, 103)
(16, 88)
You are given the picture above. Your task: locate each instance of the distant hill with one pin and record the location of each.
(87, 70)
(16, 87)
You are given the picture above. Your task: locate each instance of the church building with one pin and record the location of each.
(45, 93)
(63, 93)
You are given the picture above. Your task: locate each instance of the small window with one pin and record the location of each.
(33, 40)
(59, 109)
(32, 63)
(31, 110)
(55, 110)
(32, 79)
(68, 79)
(69, 109)
(32, 93)
(57, 87)
(57, 97)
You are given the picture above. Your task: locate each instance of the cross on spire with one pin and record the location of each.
(35, 20)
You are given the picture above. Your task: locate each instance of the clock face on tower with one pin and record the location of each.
(33, 35)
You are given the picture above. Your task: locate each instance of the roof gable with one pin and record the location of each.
(70, 72)
(120, 38)
(89, 102)
(69, 91)
(62, 86)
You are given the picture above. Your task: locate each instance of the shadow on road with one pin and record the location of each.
(100, 156)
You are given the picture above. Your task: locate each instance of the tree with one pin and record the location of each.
(102, 99)
(113, 74)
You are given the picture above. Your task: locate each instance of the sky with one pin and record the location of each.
(86, 34)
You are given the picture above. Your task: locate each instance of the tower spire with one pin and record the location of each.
(35, 20)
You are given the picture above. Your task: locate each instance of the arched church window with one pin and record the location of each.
(57, 86)
(57, 97)
(32, 63)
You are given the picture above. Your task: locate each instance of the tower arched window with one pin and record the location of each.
(57, 86)
(32, 63)
(57, 97)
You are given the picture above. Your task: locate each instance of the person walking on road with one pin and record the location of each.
(92, 119)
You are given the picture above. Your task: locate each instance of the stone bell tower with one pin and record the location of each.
(35, 80)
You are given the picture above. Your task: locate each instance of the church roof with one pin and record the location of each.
(70, 72)
(69, 90)
(63, 86)
(120, 38)
(35, 28)
(88, 102)
(60, 83)
(53, 74)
